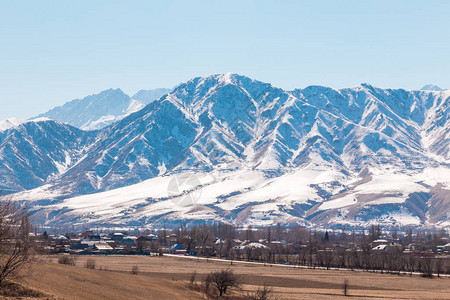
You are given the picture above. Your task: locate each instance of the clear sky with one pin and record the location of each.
(55, 51)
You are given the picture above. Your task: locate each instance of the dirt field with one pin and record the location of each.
(167, 277)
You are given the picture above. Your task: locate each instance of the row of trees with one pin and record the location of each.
(405, 252)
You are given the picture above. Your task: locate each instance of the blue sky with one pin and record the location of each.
(55, 51)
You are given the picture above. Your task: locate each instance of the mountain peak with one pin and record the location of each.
(431, 87)
(367, 85)
(220, 78)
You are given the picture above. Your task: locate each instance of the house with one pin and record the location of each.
(87, 234)
(117, 237)
(447, 248)
(128, 241)
(378, 242)
(379, 248)
(177, 249)
(387, 246)
(102, 247)
(152, 237)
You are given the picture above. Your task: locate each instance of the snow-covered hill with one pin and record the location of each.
(248, 152)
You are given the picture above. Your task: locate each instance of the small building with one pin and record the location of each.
(379, 248)
(177, 249)
(378, 242)
(102, 248)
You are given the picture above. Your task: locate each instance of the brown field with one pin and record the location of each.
(168, 277)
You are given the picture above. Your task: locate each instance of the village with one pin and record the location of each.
(377, 250)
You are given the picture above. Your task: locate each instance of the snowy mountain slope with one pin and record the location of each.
(34, 151)
(303, 149)
(250, 197)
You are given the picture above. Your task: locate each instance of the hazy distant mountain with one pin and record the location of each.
(431, 87)
(148, 96)
(9, 123)
(94, 111)
(100, 110)
(250, 153)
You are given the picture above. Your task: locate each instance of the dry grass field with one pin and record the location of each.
(167, 278)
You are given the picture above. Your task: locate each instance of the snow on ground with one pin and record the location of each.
(338, 203)
(396, 186)
(286, 189)
(434, 176)
(155, 188)
(191, 195)
(188, 193)
(45, 192)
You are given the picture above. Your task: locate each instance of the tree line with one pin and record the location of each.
(399, 252)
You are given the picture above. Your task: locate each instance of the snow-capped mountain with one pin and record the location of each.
(99, 110)
(148, 96)
(249, 153)
(431, 87)
(95, 111)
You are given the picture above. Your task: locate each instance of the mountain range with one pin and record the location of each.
(229, 148)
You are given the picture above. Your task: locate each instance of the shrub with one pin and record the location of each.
(135, 270)
(264, 293)
(90, 264)
(69, 260)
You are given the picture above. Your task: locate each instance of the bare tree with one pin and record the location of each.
(426, 266)
(15, 243)
(223, 280)
(192, 281)
(411, 262)
(205, 236)
(439, 265)
(189, 239)
(345, 287)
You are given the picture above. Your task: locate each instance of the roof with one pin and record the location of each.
(103, 246)
(176, 247)
(379, 247)
(380, 241)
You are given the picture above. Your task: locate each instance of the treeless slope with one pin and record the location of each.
(68, 282)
